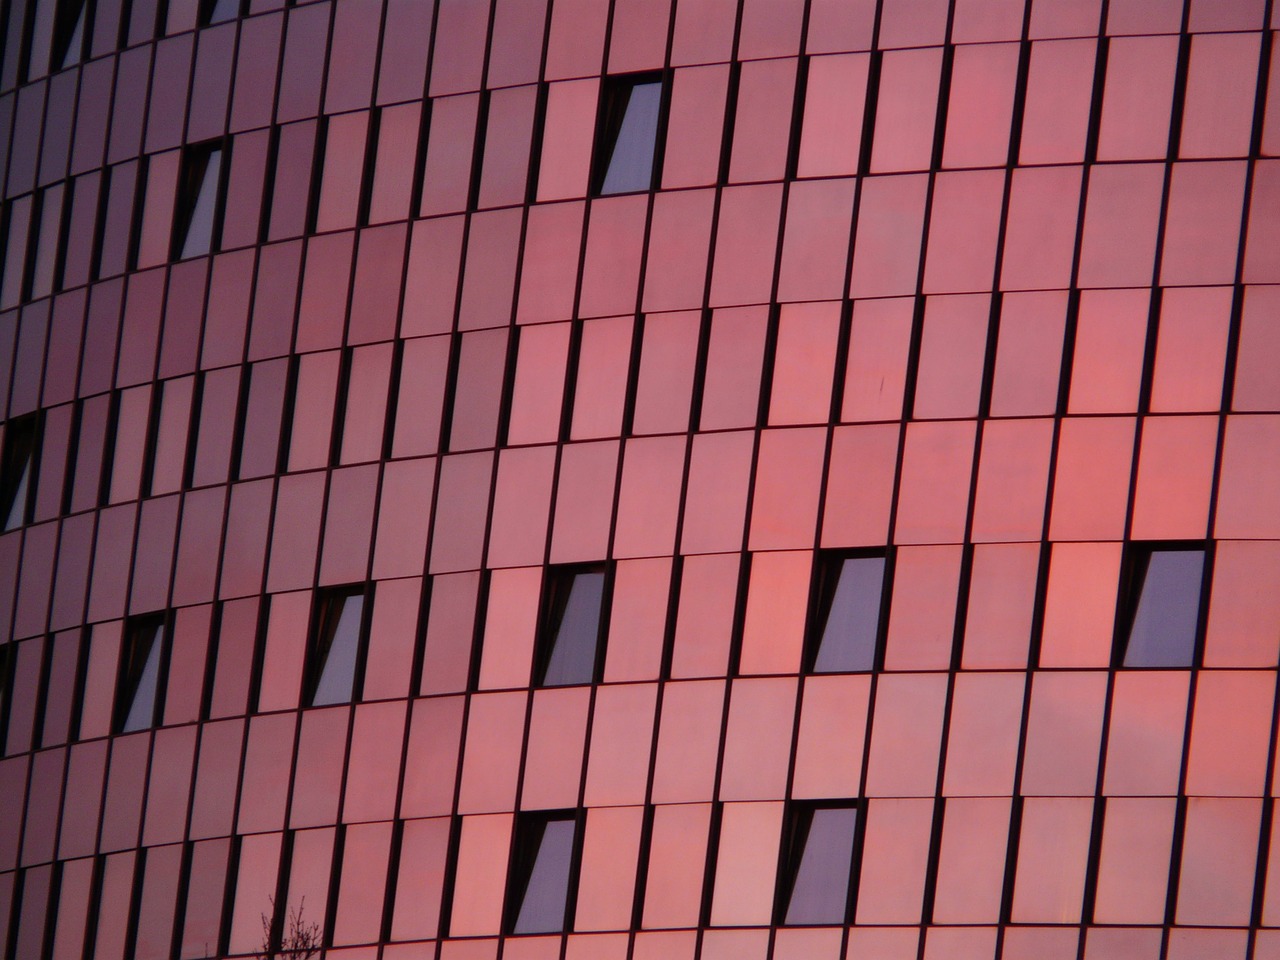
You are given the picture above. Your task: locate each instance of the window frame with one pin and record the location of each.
(799, 816)
(187, 196)
(557, 586)
(24, 430)
(530, 826)
(1135, 566)
(318, 648)
(824, 586)
(130, 673)
(610, 117)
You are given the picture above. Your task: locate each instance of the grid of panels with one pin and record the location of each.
(327, 368)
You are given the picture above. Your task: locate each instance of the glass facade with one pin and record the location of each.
(639, 479)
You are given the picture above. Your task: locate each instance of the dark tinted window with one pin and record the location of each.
(818, 865)
(68, 33)
(16, 471)
(628, 138)
(199, 207)
(1163, 599)
(542, 874)
(336, 643)
(570, 641)
(141, 663)
(846, 623)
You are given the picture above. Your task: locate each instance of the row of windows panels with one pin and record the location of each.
(607, 137)
(831, 863)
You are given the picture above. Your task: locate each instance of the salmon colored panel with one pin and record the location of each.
(952, 355)
(638, 619)
(373, 768)
(1244, 609)
(709, 587)
(556, 738)
(491, 761)
(971, 861)
(509, 627)
(1219, 854)
(1222, 77)
(549, 269)
(537, 394)
(1175, 478)
(679, 241)
(964, 225)
(716, 503)
(1064, 734)
(348, 525)
(1249, 487)
(1230, 733)
(688, 741)
(488, 281)
(891, 943)
(922, 615)
(434, 737)
(638, 41)
(906, 735)
(610, 853)
(906, 110)
(1257, 382)
(933, 499)
(1141, 72)
(677, 861)
(889, 238)
(1059, 95)
(1133, 866)
(895, 860)
(480, 878)
(317, 785)
(1091, 483)
(980, 105)
(1202, 225)
(746, 244)
(649, 501)
(860, 481)
(1191, 349)
(521, 506)
(584, 502)
(765, 98)
(568, 131)
(1040, 238)
(815, 246)
(777, 603)
(1144, 737)
(1003, 580)
(458, 536)
(800, 943)
(611, 266)
(746, 864)
(695, 125)
(1120, 223)
(424, 849)
(804, 363)
(835, 98)
(757, 750)
(1053, 855)
(400, 546)
(1080, 605)
(833, 731)
(621, 741)
(879, 352)
(1111, 339)
(735, 355)
(600, 389)
(983, 736)
(1013, 474)
(1261, 261)
(1028, 362)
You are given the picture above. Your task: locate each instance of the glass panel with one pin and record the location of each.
(68, 37)
(850, 617)
(336, 645)
(15, 472)
(629, 134)
(822, 851)
(140, 674)
(573, 628)
(199, 204)
(546, 849)
(215, 11)
(1165, 603)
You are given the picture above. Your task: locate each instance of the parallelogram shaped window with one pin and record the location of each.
(198, 211)
(68, 33)
(216, 11)
(818, 864)
(17, 471)
(337, 640)
(569, 643)
(141, 664)
(627, 141)
(1161, 613)
(543, 869)
(844, 628)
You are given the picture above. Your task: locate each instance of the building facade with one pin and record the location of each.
(639, 479)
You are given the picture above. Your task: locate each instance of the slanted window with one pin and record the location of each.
(569, 642)
(844, 628)
(198, 212)
(1161, 605)
(216, 11)
(17, 471)
(543, 873)
(68, 33)
(628, 133)
(337, 643)
(817, 865)
(141, 665)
